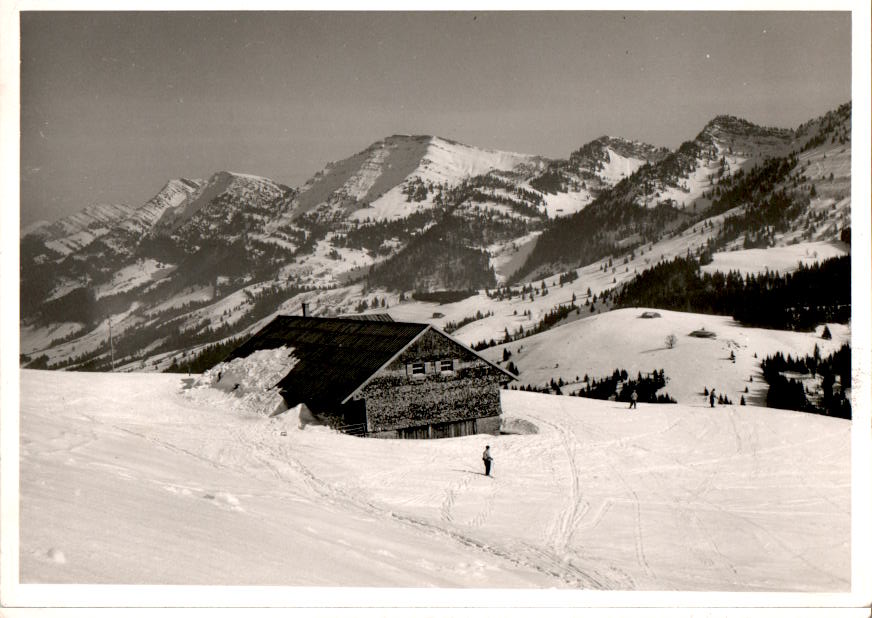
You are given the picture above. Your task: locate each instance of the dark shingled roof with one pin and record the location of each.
(335, 355)
(373, 317)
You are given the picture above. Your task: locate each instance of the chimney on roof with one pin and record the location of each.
(304, 309)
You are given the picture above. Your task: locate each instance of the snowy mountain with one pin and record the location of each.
(176, 249)
(373, 184)
(206, 261)
(725, 145)
(776, 185)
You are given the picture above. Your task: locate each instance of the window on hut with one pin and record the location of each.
(446, 365)
(418, 369)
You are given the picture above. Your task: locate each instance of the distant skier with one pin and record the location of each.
(712, 398)
(487, 459)
(633, 398)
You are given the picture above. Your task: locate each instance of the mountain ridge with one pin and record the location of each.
(207, 258)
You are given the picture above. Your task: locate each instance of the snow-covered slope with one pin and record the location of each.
(611, 159)
(448, 161)
(781, 259)
(80, 229)
(173, 195)
(370, 184)
(156, 479)
(595, 346)
(619, 167)
(444, 162)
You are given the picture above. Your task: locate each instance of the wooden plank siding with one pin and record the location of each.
(440, 430)
(401, 401)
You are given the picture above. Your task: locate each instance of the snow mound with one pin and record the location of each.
(224, 499)
(56, 556)
(518, 426)
(252, 379)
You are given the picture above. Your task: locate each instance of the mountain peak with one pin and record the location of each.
(600, 152)
(725, 126)
(404, 137)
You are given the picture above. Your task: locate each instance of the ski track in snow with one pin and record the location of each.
(526, 556)
(561, 530)
(581, 503)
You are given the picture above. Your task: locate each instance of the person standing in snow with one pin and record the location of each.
(487, 459)
(712, 398)
(633, 398)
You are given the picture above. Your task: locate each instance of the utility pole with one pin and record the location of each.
(111, 347)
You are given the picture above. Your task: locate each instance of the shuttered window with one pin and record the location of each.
(446, 365)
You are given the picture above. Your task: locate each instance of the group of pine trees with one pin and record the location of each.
(450, 327)
(620, 387)
(446, 254)
(370, 236)
(790, 393)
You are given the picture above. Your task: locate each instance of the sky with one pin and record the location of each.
(114, 104)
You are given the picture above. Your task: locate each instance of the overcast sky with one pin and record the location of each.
(115, 104)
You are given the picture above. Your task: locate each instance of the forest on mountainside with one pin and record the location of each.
(440, 258)
(595, 232)
(800, 300)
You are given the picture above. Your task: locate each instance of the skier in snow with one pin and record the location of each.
(712, 398)
(633, 398)
(487, 459)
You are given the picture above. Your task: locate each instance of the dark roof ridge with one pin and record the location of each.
(343, 318)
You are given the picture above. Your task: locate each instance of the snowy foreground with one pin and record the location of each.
(153, 479)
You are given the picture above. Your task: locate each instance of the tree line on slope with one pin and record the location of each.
(549, 320)
(206, 358)
(618, 387)
(809, 296)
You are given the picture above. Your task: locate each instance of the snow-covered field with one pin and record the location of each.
(781, 259)
(157, 478)
(622, 339)
(132, 276)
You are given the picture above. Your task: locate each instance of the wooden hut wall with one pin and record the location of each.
(400, 397)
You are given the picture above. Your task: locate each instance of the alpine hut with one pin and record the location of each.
(384, 379)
